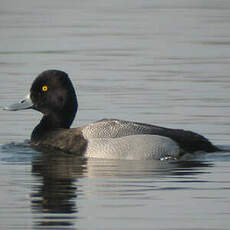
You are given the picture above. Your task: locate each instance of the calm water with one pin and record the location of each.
(160, 62)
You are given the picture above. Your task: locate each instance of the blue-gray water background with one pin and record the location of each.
(161, 62)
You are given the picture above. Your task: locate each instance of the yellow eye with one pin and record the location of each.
(44, 88)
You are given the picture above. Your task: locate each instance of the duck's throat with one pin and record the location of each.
(50, 123)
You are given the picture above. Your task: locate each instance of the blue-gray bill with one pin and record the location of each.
(23, 104)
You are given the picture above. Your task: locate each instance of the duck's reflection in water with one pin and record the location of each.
(54, 196)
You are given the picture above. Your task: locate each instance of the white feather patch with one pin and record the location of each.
(133, 147)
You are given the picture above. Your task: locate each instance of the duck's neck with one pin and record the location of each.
(51, 122)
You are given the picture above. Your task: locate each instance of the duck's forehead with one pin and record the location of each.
(39, 82)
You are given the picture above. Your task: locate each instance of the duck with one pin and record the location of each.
(52, 93)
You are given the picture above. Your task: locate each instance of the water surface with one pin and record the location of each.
(159, 62)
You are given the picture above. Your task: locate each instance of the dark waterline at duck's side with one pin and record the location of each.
(53, 94)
